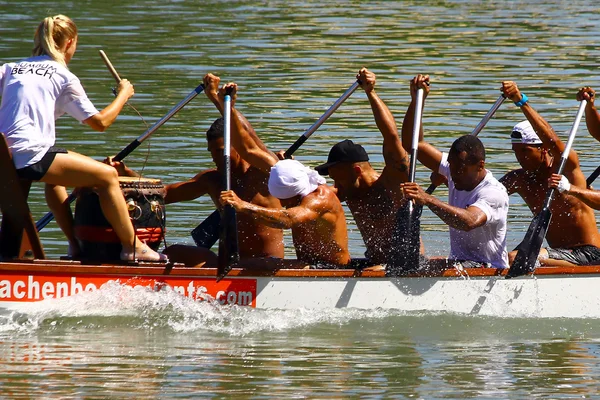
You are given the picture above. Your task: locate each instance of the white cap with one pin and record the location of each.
(289, 178)
(524, 133)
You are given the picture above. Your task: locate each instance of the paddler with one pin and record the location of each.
(35, 92)
(374, 198)
(477, 207)
(572, 235)
(256, 240)
(312, 210)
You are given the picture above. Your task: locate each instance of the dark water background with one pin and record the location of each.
(292, 60)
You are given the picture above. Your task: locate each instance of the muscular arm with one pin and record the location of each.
(544, 131)
(395, 156)
(249, 146)
(592, 120)
(463, 219)
(198, 186)
(211, 84)
(281, 218)
(588, 196)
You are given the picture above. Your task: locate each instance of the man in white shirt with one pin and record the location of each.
(477, 206)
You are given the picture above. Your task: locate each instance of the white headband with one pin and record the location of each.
(290, 178)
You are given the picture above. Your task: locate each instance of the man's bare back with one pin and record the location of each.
(323, 240)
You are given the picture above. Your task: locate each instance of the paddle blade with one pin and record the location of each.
(407, 236)
(228, 243)
(529, 249)
(206, 234)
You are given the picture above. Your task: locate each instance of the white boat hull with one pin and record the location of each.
(553, 293)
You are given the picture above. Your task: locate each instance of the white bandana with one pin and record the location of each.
(528, 135)
(290, 178)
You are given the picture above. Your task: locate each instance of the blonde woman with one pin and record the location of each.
(35, 92)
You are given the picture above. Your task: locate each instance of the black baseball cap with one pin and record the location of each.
(344, 151)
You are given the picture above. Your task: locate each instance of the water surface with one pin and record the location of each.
(292, 59)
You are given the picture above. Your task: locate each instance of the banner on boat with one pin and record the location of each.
(29, 288)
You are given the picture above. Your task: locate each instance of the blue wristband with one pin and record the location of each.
(523, 100)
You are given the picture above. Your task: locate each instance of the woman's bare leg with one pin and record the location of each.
(56, 197)
(76, 170)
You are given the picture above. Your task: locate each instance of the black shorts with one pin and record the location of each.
(580, 255)
(36, 172)
(468, 264)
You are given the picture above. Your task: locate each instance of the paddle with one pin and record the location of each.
(228, 237)
(529, 248)
(131, 147)
(410, 225)
(478, 128)
(206, 234)
(593, 176)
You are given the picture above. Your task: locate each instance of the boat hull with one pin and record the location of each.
(551, 293)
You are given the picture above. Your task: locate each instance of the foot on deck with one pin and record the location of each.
(144, 253)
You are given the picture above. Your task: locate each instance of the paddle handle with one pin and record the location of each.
(300, 141)
(565, 154)
(135, 144)
(109, 65)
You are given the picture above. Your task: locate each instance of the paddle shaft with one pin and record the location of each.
(415, 137)
(412, 170)
(133, 145)
(300, 141)
(486, 118)
(228, 246)
(565, 155)
(205, 234)
(130, 147)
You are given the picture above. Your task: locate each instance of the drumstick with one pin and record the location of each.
(109, 65)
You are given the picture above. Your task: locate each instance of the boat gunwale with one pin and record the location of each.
(154, 269)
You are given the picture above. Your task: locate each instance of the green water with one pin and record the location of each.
(292, 60)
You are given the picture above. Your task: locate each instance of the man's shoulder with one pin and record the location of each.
(513, 177)
(208, 175)
(323, 196)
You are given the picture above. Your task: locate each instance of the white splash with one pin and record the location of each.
(141, 307)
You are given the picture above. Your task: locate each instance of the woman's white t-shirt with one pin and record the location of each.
(486, 243)
(35, 92)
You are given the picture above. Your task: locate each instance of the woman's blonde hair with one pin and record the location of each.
(52, 34)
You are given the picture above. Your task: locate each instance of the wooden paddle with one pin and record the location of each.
(529, 248)
(131, 146)
(228, 239)
(478, 128)
(207, 233)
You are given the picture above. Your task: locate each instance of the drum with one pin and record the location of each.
(146, 205)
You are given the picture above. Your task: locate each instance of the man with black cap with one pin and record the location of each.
(374, 198)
